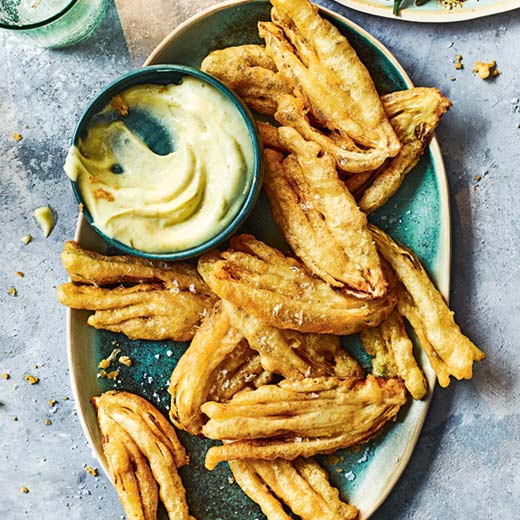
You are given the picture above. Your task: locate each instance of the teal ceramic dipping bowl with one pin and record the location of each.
(165, 75)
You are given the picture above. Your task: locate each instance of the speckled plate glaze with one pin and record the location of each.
(433, 11)
(418, 216)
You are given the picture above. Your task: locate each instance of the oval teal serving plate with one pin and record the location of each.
(155, 137)
(418, 215)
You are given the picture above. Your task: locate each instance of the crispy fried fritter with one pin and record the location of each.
(432, 317)
(303, 485)
(414, 114)
(301, 418)
(392, 349)
(156, 440)
(290, 353)
(281, 292)
(92, 268)
(320, 218)
(146, 311)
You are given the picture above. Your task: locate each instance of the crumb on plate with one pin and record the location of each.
(125, 360)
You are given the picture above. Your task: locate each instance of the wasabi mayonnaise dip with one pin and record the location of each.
(165, 203)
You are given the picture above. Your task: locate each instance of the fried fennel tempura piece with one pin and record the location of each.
(155, 438)
(414, 114)
(290, 353)
(220, 362)
(313, 36)
(146, 311)
(303, 485)
(345, 103)
(129, 470)
(198, 369)
(320, 219)
(93, 268)
(301, 418)
(250, 72)
(431, 318)
(282, 292)
(392, 352)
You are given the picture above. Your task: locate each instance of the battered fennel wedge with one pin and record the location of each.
(301, 418)
(392, 352)
(355, 146)
(414, 114)
(303, 485)
(232, 351)
(281, 291)
(217, 364)
(143, 453)
(320, 218)
(157, 301)
(449, 351)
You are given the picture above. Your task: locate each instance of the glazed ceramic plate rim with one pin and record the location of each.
(440, 15)
(441, 271)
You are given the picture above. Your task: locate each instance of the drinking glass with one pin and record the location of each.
(52, 23)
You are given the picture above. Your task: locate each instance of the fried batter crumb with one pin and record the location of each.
(12, 291)
(20, 274)
(486, 70)
(26, 239)
(24, 489)
(113, 374)
(31, 379)
(52, 402)
(119, 105)
(105, 363)
(91, 471)
(125, 360)
(231, 480)
(48, 422)
(15, 418)
(458, 62)
(478, 178)
(5, 375)
(17, 136)
(65, 397)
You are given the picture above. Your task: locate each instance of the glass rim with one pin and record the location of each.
(41, 23)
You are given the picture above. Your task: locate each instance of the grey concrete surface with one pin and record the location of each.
(465, 465)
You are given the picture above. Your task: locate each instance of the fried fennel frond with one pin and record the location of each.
(301, 418)
(281, 291)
